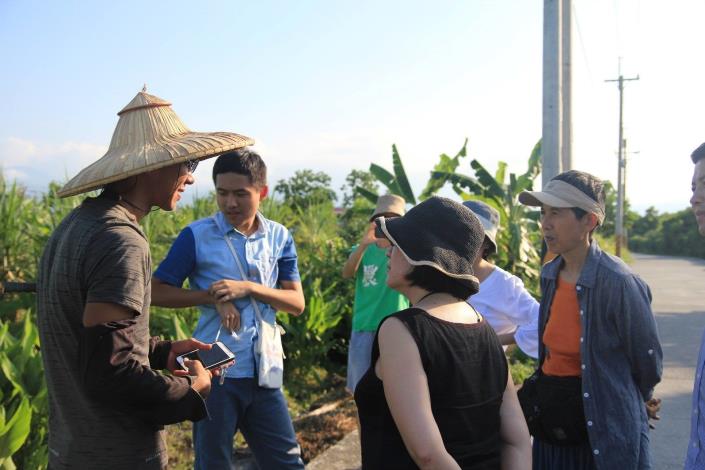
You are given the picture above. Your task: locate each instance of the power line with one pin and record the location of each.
(582, 41)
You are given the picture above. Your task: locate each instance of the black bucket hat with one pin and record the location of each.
(440, 233)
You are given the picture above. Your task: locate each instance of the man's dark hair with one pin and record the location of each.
(243, 162)
(698, 154)
(588, 184)
(433, 280)
(487, 249)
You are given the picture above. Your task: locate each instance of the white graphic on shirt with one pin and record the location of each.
(368, 275)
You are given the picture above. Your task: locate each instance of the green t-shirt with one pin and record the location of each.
(373, 299)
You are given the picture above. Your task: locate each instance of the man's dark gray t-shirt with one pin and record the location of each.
(97, 254)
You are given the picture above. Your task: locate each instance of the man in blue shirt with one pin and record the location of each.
(696, 452)
(268, 255)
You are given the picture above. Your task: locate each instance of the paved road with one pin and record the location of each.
(678, 288)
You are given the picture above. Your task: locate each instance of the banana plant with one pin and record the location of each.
(517, 237)
(397, 182)
(445, 166)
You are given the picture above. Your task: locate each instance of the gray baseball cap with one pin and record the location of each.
(489, 218)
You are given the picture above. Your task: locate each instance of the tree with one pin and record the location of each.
(357, 178)
(306, 187)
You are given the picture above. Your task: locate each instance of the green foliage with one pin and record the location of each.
(16, 213)
(23, 396)
(396, 183)
(364, 180)
(607, 228)
(673, 234)
(310, 337)
(306, 187)
(445, 166)
(521, 366)
(519, 234)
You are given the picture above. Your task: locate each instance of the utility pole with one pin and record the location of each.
(566, 87)
(556, 131)
(621, 167)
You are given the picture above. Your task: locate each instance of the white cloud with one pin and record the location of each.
(35, 164)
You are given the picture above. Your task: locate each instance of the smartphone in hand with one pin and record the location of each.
(218, 355)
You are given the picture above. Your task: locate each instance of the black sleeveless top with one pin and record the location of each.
(467, 374)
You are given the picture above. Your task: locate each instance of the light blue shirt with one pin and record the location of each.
(695, 458)
(201, 253)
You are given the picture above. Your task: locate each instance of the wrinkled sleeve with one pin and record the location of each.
(158, 353)
(525, 314)
(112, 376)
(639, 335)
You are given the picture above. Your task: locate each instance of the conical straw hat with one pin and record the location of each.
(148, 136)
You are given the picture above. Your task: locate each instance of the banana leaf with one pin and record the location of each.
(401, 179)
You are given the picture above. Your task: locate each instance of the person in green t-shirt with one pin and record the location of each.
(373, 299)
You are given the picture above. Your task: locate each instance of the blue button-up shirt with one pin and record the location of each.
(201, 254)
(621, 358)
(695, 458)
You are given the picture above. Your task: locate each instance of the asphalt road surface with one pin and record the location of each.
(678, 289)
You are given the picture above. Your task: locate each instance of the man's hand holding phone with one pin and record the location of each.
(202, 377)
(181, 347)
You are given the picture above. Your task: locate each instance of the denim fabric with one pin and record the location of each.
(620, 352)
(268, 256)
(262, 417)
(359, 355)
(695, 458)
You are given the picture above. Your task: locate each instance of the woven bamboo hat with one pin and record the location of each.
(148, 136)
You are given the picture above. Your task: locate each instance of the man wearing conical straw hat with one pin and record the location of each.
(107, 402)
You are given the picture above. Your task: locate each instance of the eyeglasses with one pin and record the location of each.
(191, 165)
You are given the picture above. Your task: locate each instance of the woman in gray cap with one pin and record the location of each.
(502, 300)
(599, 352)
(438, 393)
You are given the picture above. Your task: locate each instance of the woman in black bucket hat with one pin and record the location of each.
(438, 393)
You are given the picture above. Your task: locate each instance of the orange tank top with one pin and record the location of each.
(562, 334)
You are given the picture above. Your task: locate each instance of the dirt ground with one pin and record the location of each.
(331, 420)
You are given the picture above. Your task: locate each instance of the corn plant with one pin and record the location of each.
(16, 212)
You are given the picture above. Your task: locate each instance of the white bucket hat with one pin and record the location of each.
(389, 204)
(148, 136)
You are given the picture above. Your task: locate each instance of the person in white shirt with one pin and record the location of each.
(503, 300)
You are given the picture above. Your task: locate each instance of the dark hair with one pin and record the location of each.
(433, 280)
(698, 154)
(487, 249)
(588, 184)
(243, 162)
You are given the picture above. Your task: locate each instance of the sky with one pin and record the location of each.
(330, 86)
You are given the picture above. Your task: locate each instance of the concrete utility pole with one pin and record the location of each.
(551, 135)
(556, 130)
(566, 88)
(621, 168)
